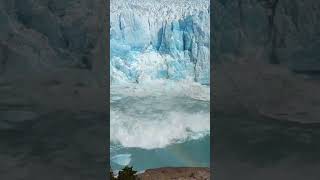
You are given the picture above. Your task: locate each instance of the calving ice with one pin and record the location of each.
(160, 69)
(160, 39)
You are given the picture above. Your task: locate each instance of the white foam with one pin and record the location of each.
(158, 132)
(159, 113)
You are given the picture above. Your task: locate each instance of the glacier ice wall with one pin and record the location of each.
(160, 39)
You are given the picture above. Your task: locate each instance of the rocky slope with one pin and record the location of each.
(193, 173)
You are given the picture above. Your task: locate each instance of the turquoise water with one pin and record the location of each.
(155, 127)
(195, 153)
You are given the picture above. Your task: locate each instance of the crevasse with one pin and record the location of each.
(163, 39)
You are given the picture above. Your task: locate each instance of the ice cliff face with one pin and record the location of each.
(286, 31)
(40, 37)
(50, 48)
(160, 39)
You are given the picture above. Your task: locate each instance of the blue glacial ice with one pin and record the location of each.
(159, 65)
(151, 40)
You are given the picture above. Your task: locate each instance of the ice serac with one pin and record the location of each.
(160, 39)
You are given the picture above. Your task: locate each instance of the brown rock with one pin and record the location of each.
(178, 173)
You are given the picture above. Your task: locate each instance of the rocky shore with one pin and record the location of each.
(178, 173)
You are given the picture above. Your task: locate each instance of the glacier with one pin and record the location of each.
(160, 82)
(162, 39)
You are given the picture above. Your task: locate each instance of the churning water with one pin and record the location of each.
(160, 123)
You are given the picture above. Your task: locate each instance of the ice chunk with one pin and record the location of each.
(121, 159)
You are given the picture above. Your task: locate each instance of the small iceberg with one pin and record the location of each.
(121, 159)
(115, 98)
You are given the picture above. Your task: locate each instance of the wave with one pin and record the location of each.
(158, 133)
(158, 113)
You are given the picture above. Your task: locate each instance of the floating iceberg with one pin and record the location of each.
(121, 159)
